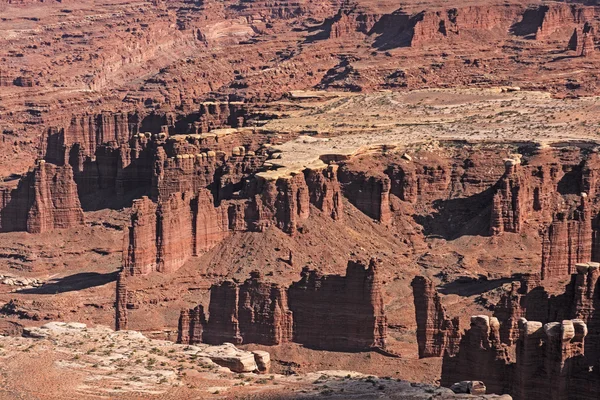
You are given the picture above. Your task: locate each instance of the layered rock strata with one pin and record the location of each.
(321, 311)
(164, 235)
(552, 357)
(567, 241)
(43, 200)
(341, 313)
(436, 332)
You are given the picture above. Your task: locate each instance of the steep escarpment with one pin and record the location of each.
(43, 200)
(436, 332)
(550, 357)
(329, 312)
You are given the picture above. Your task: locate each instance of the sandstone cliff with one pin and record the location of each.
(322, 311)
(339, 313)
(436, 332)
(44, 199)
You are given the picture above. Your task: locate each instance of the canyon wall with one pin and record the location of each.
(320, 311)
(43, 200)
(342, 313)
(436, 332)
(550, 357)
(567, 241)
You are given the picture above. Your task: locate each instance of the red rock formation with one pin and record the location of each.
(545, 359)
(552, 359)
(590, 175)
(582, 40)
(510, 309)
(121, 302)
(191, 325)
(173, 232)
(282, 201)
(55, 203)
(426, 182)
(140, 255)
(163, 236)
(45, 199)
(339, 313)
(567, 241)
(223, 322)
(481, 356)
(210, 223)
(325, 192)
(90, 131)
(436, 332)
(187, 172)
(370, 194)
(510, 200)
(255, 312)
(263, 312)
(334, 312)
(218, 114)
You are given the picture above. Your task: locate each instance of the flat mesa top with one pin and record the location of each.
(349, 124)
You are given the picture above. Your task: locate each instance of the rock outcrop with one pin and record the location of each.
(121, 321)
(436, 332)
(510, 200)
(369, 193)
(139, 256)
(255, 312)
(325, 192)
(223, 323)
(44, 199)
(263, 312)
(163, 236)
(553, 357)
(582, 40)
(481, 356)
(545, 359)
(567, 241)
(191, 325)
(325, 311)
(339, 312)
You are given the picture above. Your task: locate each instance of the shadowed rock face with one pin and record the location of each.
(255, 312)
(549, 358)
(45, 199)
(339, 313)
(325, 311)
(436, 332)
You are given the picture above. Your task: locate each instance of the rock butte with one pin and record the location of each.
(251, 192)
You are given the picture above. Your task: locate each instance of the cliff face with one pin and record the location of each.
(173, 232)
(223, 322)
(325, 192)
(327, 312)
(163, 236)
(560, 345)
(263, 312)
(255, 312)
(481, 356)
(210, 224)
(548, 358)
(369, 193)
(45, 199)
(510, 200)
(191, 325)
(185, 224)
(121, 302)
(582, 41)
(139, 256)
(436, 332)
(567, 241)
(341, 313)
